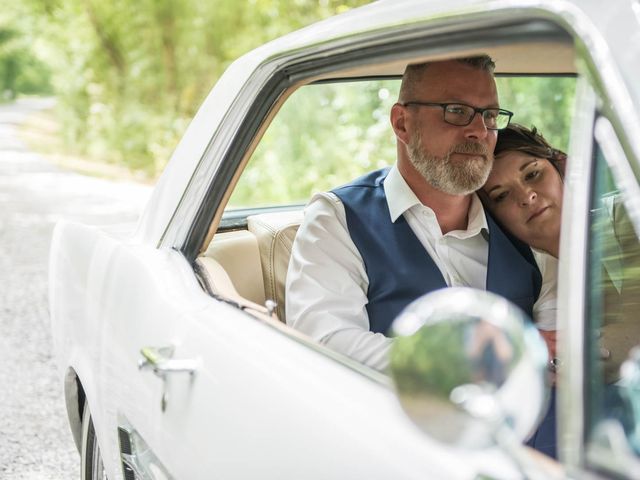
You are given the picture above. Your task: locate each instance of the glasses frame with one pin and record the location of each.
(476, 110)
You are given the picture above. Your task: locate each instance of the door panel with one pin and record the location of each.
(262, 405)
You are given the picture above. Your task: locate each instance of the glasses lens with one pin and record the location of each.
(496, 119)
(458, 114)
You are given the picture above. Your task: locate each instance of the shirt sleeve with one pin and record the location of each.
(545, 309)
(327, 286)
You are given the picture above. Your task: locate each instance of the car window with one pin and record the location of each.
(612, 393)
(323, 136)
(545, 102)
(327, 134)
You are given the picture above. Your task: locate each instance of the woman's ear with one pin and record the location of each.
(399, 122)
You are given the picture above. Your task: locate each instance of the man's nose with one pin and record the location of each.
(476, 129)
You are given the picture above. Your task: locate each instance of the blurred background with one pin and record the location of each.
(127, 75)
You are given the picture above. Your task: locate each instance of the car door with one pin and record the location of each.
(259, 403)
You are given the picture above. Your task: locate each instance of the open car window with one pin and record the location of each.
(329, 133)
(323, 136)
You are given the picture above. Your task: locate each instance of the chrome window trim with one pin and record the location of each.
(596, 62)
(572, 272)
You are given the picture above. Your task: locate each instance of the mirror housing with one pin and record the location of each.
(469, 368)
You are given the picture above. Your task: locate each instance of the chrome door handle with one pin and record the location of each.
(158, 360)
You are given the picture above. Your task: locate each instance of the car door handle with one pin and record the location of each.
(158, 359)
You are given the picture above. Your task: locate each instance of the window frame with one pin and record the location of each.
(199, 212)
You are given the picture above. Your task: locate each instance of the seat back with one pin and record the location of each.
(238, 254)
(275, 233)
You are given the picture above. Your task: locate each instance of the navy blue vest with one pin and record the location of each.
(400, 269)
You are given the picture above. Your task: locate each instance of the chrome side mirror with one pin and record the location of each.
(469, 368)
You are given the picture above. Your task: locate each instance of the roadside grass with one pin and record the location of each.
(42, 134)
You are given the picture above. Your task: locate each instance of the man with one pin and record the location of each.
(366, 250)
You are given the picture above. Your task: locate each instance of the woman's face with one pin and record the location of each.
(524, 193)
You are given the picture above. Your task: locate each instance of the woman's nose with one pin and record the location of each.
(527, 196)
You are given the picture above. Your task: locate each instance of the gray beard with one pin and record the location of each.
(454, 178)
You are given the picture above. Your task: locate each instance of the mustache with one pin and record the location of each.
(471, 148)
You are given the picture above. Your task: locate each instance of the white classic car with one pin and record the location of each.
(174, 356)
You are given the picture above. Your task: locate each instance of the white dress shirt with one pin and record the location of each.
(327, 283)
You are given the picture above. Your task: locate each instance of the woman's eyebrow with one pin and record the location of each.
(524, 165)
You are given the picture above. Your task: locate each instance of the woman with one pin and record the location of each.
(524, 193)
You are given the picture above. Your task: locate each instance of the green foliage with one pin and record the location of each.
(543, 102)
(129, 76)
(328, 134)
(325, 135)
(433, 360)
(20, 70)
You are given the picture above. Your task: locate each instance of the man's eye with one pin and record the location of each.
(457, 109)
(490, 114)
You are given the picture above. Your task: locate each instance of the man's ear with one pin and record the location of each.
(400, 122)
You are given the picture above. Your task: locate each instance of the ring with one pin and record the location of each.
(554, 364)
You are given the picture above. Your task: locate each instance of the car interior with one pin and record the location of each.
(246, 253)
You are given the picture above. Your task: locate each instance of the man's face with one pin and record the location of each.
(454, 159)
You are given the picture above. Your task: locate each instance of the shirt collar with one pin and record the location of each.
(477, 220)
(401, 198)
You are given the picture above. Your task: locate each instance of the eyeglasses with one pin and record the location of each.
(461, 115)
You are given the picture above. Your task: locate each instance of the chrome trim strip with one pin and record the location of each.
(596, 60)
(571, 278)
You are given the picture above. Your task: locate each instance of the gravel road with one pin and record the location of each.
(35, 440)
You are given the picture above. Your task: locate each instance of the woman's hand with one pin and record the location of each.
(550, 339)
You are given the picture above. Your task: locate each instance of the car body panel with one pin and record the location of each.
(293, 418)
(264, 401)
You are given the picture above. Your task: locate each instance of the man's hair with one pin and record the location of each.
(414, 74)
(517, 138)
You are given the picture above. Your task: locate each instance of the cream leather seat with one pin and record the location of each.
(232, 268)
(275, 233)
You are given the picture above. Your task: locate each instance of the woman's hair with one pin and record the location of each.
(520, 139)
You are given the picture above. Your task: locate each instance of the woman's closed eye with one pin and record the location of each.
(500, 196)
(532, 175)
(532, 172)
